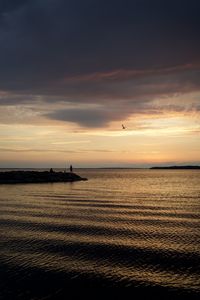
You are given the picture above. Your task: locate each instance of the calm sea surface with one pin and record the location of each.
(137, 229)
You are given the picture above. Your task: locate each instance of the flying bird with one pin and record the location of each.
(123, 127)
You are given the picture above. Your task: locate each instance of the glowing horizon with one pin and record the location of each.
(153, 141)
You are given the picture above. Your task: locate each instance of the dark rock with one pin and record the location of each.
(37, 177)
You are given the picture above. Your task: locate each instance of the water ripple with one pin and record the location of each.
(108, 231)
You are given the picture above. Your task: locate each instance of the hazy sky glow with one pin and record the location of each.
(72, 71)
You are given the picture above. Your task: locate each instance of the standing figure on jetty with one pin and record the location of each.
(71, 169)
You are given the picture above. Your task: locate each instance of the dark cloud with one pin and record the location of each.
(98, 117)
(130, 84)
(102, 116)
(42, 41)
(122, 52)
(11, 5)
(120, 86)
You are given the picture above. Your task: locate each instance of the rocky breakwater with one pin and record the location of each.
(38, 177)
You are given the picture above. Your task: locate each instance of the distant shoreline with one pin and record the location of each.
(177, 168)
(58, 170)
(151, 168)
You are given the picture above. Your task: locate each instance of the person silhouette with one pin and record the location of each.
(71, 169)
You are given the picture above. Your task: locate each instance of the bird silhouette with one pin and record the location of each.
(123, 127)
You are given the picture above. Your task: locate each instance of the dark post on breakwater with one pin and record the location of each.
(38, 177)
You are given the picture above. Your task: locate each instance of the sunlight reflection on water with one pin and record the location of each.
(133, 227)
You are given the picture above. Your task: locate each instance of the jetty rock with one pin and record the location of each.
(38, 177)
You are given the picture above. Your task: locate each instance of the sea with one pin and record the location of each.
(135, 230)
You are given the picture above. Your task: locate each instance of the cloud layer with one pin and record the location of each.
(115, 57)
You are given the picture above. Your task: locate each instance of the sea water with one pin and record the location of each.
(125, 228)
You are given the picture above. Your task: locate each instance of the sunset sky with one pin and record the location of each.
(73, 71)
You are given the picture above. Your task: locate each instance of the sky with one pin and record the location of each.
(73, 71)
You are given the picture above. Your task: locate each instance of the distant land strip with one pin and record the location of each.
(178, 167)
